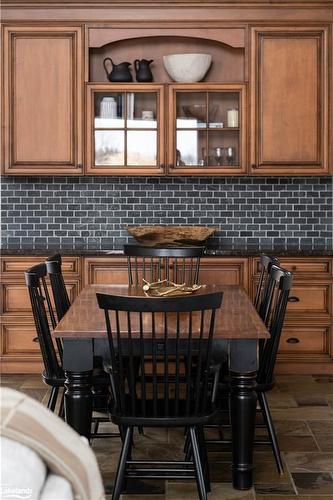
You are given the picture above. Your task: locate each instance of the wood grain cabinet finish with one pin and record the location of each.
(215, 270)
(289, 132)
(19, 354)
(43, 106)
(224, 271)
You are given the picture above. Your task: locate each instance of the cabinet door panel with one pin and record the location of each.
(105, 271)
(43, 100)
(17, 339)
(224, 271)
(290, 100)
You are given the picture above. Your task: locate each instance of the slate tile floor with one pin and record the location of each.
(302, 408)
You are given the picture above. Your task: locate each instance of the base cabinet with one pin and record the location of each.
(19, 354)
(306, 344)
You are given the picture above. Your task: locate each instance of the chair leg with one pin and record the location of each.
(204, 457)
(95, 429)
(62, 407)
(53, 398)
(197, 465)
(271, 431)
(122, 464)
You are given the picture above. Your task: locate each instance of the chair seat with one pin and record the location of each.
(160, 420)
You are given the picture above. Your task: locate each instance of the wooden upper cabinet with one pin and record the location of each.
(289, 100)
(43, 100)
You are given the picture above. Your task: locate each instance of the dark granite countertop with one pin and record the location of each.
(216, 250)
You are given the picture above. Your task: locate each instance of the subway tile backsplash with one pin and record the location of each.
(92, 211)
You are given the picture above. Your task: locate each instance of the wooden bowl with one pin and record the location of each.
(170, 235)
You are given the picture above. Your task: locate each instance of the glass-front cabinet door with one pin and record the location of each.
(207, 129)
(125, 129)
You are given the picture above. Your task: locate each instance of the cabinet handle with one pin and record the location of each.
(294, 268)
(254, 165)
(79, 165)
(35, 339)
(293, 298)
(293, 340)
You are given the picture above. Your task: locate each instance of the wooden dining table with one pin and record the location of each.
(237, 326)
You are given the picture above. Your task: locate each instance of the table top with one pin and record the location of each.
(236, 319)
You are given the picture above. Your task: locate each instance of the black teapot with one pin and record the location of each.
(119, 73)
(142, 70)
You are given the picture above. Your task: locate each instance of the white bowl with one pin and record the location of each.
(187, 67)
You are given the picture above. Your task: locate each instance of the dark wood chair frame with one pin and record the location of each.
(139, 403)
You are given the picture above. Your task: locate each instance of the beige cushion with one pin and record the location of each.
(29, 422)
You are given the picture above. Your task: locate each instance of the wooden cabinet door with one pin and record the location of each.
(289, 100)
(125, 129)
(207, 129)
(224, 271)
(43, 92)
(110, 270)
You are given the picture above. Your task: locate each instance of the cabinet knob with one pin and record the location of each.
(293, 340)
(293, 298)
(294, 268)
(254, 165)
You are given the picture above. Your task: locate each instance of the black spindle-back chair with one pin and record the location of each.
(62, 304)
(180, 265)
(59, 291)
(35, 278)
(266, 263)
(273, 309)
(165, 330)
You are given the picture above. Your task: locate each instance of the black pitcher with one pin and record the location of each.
(142, 70)
(119, 73)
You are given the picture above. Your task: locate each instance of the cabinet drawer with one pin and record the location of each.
(15, 297)
(314, 267)
(312, 339)
(17, 265)
(310, 299)
(17, 339)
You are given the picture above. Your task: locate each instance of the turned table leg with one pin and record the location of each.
(243, 359)
(78, 365)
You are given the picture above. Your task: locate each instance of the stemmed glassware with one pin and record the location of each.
(229, 153)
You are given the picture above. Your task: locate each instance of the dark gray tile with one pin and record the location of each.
(313, 483)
